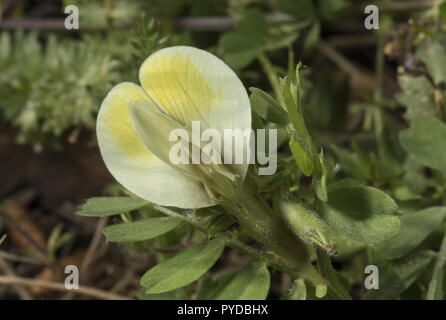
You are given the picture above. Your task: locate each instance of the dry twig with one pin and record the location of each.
(20, 258)
(2, 239)
(88, 291)
(94, 245)
(20, 290)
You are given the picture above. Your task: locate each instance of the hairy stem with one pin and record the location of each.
(336, 287)
(267, 227)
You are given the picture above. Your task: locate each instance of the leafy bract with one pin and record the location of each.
(399, 275)
(248, 283)
(425, 140)
(362, 213)
(179, 294)
(298, 290)
(144, 229)
(354, 163)
(301, 155)
(108, 206)
(417, 95)
(267, 107)
(184, 268)
(306, 224)
(415, 227)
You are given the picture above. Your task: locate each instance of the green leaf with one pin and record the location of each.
(179, 294)
(433, 53)
(141, 230)
(184, 268)
(253, 24)
(399, 275)
(205, 287)
(219, 223)
(301, 9)
(239, 49)
(109, 206)
(301, 156)
(414, 177)
(267, 107)
(298, 290)
(417, 95)
(425, 140)
(300, 143)
(257, 122)
(282, 42)
(442, 10)
(147, 38)
(353, 163)
(343, 183)
(415, 227)
(437, 284)
(291, 97)
(312, 37)
(327, 101)
(249, 283)
(364, 214)
(306, 224)
(209, 285)
(320, 177)
(436, 290)
(249, 39)
(344, 246)
(330, 7)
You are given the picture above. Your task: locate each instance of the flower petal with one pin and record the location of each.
(190, 84)
(132, 164)
(153, 127)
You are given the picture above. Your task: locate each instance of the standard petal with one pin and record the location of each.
(132, 164)
(190, 84)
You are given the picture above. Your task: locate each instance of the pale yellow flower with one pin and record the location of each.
(178, 85)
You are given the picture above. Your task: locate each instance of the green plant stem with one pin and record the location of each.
(272, 76)
(439, 102)
(268, 258)
(336, 287)
(376, 111)
(267, 227)
(108, 4)
(271, 260)
(289, 253)
(379, 68)
(439, 267)
(261, 223)
(172, 213)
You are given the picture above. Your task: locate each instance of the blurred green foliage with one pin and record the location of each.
(49, 88)
(344, 133)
